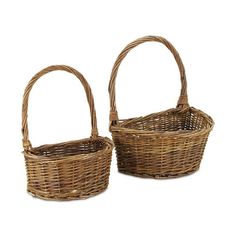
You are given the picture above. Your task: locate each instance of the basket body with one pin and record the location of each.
(71, 170)
(166, 144)
(162, 145)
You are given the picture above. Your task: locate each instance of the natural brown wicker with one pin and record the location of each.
(70, 170)
(164, 144)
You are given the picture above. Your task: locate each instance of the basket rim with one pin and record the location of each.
(107, 149)
(180, 133)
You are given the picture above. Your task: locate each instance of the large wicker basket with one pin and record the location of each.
(70, 170)
(164, 144)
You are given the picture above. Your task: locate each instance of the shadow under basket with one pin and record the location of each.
(69, 170)
(162, 145)
(166, 144)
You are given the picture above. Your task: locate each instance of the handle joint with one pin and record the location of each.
(26, 145)
(183, 101)
(113, 116)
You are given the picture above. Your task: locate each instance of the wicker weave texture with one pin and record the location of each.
(166, 144)
(69, 170)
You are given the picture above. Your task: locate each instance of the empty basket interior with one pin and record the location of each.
(85, 146)
(170, 120)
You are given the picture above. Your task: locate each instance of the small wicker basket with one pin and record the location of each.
(164, 144)
(70, 170)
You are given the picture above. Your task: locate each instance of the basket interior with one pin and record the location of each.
(85, 146)
(170, 120)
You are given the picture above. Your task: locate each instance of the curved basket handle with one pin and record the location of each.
(183, 98)
(94, 133)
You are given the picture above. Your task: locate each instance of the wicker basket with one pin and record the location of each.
(164, 144)
(70, 170)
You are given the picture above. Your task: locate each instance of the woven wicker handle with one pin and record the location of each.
(94, 133)
(183, 99)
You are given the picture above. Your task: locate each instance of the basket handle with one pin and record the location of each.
(183, 98)
(25, 133)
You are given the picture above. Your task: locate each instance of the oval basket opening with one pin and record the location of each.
(80, 147)
(171, 120)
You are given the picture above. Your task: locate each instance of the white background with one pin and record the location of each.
(89, 35)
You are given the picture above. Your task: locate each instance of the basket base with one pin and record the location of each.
(64, 198)
(166, 176)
